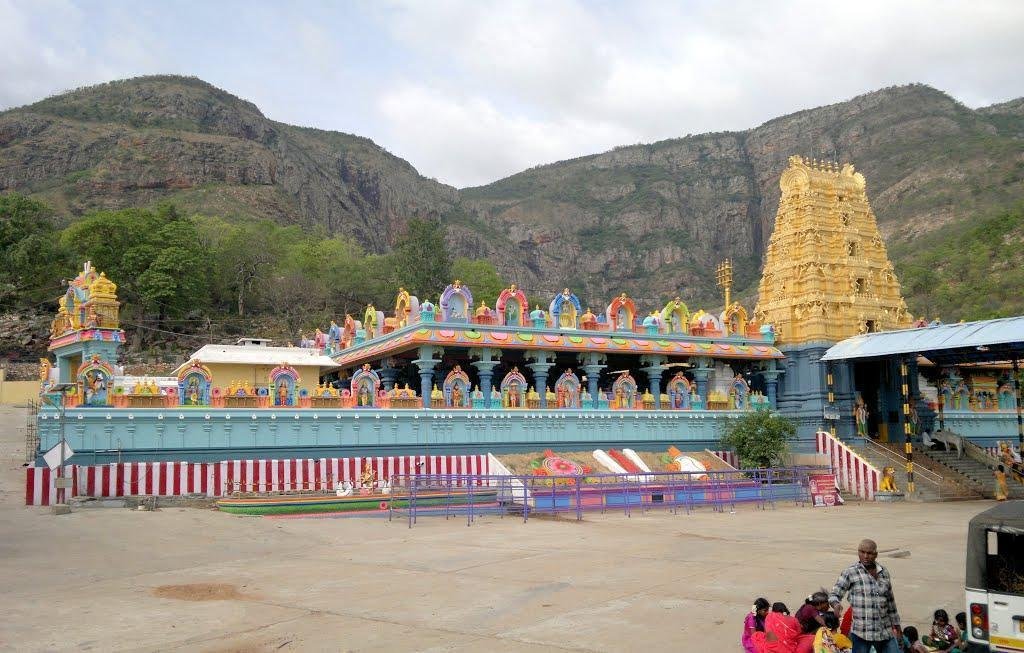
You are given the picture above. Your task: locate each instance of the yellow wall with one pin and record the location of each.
(18, 393)
(259, 375)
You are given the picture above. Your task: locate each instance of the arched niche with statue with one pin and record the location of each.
(194, 382)
(513, 389)
(407, 309)
(624, 392)
(621, 313)
(567, 390)
(740, 391)
(676, 317)
(734, 320)
(512, 307)
(95, 377)
(679, 390)
(456, 302)
(565, 310)
(365, 385)
(456, 389)
(284, 380)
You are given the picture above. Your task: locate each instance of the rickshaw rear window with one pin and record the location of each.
(1005, 563)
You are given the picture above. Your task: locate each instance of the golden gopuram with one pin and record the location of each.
(827, 275)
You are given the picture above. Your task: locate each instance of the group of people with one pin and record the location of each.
(871, 624)
(1011, 461)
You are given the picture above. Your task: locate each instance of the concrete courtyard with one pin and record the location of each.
(182, 579)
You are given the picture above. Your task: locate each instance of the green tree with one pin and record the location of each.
(156, 257)
(247, 259)
(481, 277)
(421, 261)
(32, 260)
(760, 438)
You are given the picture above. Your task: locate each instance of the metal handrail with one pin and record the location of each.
(919, 472)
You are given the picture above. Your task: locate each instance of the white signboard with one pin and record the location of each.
(53, 457)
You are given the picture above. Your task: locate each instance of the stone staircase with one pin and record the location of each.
(932, 481)
(979, 474)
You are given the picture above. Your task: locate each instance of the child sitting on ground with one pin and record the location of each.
(828, 639)
(911, 642)
(754, 623)
(944, 634)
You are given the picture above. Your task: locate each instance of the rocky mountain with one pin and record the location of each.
(649, 219)
(138, 141)
(656, 218)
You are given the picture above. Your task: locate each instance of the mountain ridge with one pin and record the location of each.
(651, 219)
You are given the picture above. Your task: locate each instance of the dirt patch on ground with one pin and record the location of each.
(199, 592)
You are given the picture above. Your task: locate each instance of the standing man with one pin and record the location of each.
(875, 619)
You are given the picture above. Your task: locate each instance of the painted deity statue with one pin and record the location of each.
(369, 477)
(860, 414)
(567, 314)
(457, 398)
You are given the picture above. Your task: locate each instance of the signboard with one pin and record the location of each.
(823, 490)
(53, 457)
(832, 414)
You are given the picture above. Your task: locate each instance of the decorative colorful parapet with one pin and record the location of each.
(194, 384)
(469, 336)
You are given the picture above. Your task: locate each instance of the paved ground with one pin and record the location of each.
(197, 580)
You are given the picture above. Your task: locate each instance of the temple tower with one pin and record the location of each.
(85, 337)
(827, 275)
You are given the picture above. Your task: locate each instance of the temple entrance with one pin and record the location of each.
(868, 377)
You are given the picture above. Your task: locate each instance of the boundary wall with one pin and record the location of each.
(853, 474)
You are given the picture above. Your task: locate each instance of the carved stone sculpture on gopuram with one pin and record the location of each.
(827, 275)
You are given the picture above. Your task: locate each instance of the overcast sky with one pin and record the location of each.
(473, 91)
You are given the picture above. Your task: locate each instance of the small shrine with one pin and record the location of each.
(85, 338)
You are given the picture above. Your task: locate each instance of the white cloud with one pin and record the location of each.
(576, 74)
(473, 90)
(466, 138)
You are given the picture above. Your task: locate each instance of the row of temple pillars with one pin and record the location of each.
(541, 364)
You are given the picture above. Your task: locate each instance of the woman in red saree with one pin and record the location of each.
(781, 634)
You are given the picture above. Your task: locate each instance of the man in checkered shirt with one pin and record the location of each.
(875, 619)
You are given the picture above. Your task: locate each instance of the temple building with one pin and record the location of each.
(826, 274)
(473, 375)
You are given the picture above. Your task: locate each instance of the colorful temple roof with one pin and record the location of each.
(476, 336)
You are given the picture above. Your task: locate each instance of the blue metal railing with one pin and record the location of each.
(474, 495)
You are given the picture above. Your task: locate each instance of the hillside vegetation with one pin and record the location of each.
(328, 221)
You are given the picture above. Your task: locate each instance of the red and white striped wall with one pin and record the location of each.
(217, 479)
(853, 474)
(729, 457)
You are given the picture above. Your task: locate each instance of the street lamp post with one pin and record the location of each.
(60, 483)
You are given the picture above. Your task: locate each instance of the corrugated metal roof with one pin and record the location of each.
(999, 339)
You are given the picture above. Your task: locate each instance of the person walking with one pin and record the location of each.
(876, 622)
